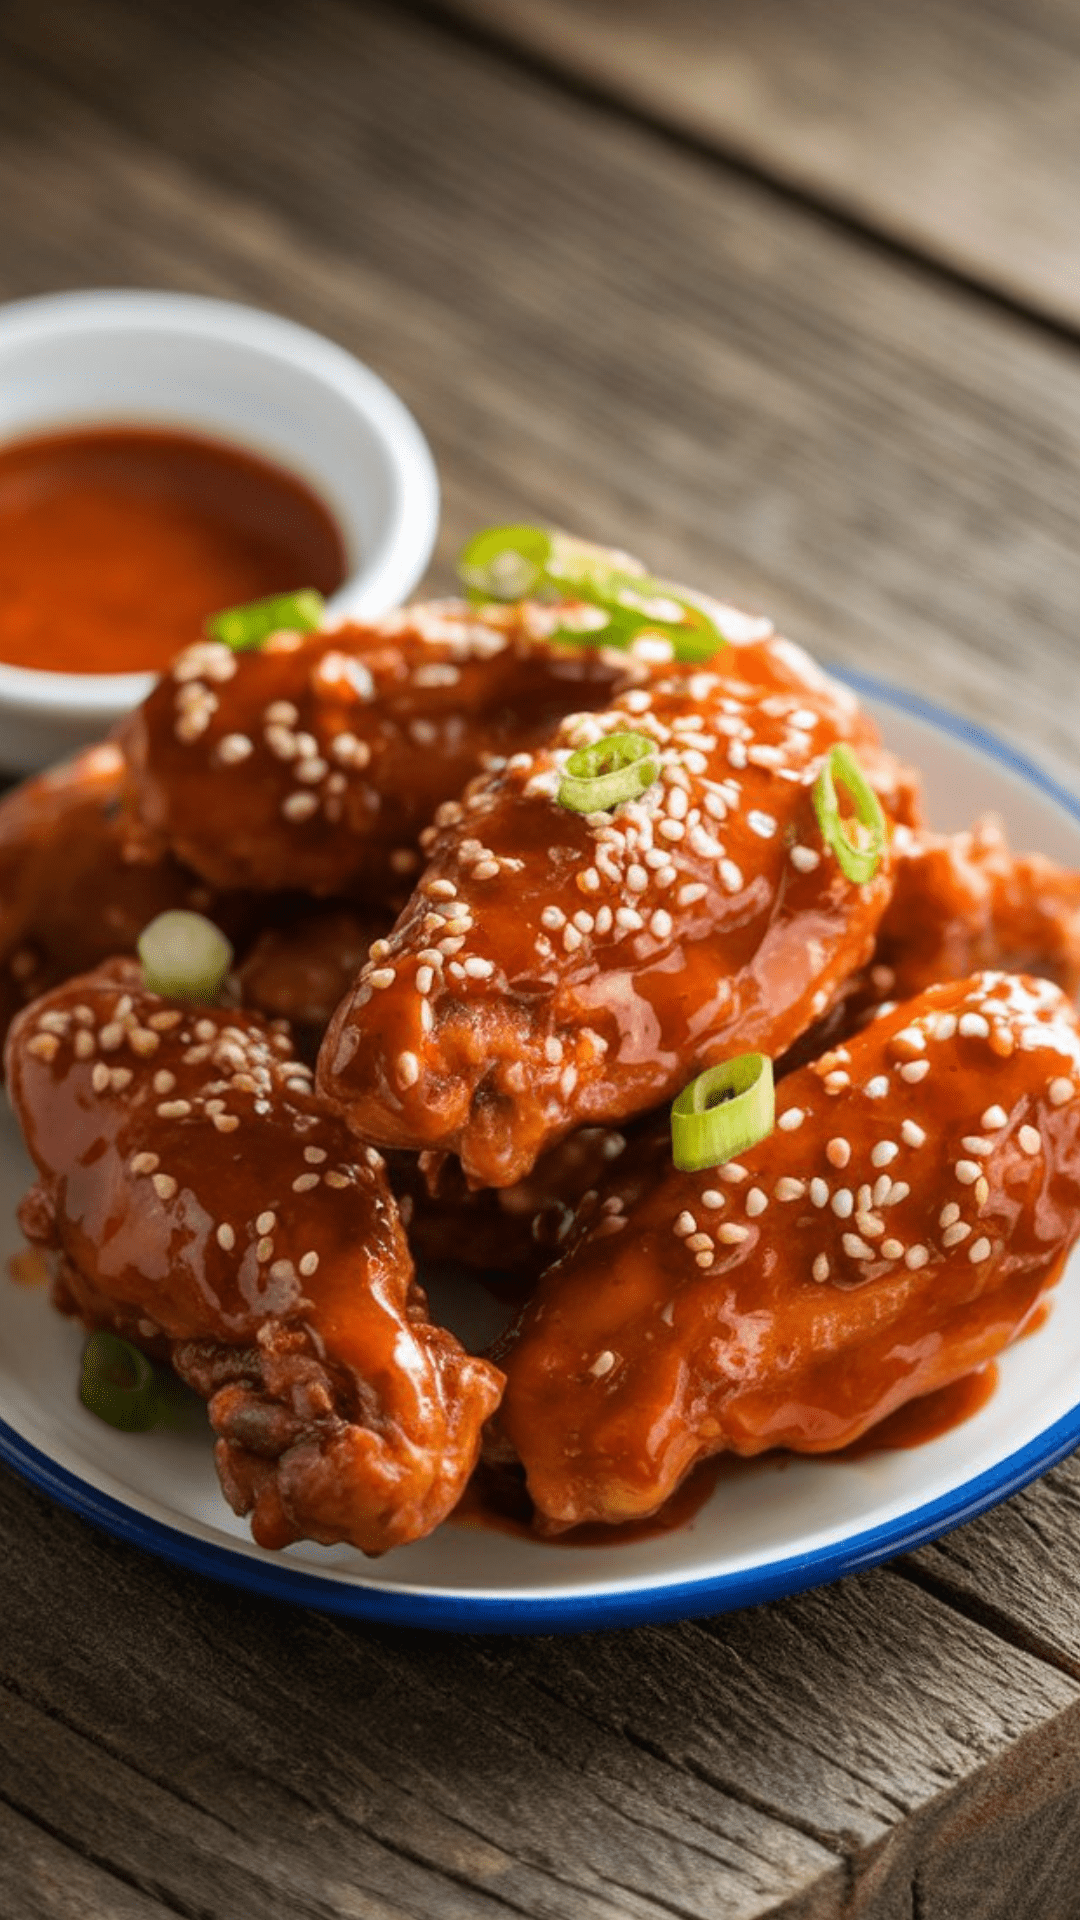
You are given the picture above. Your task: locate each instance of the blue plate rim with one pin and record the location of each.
(647, 1605)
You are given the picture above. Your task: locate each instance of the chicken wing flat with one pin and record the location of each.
(204, 1203)
(556, 969)
(69, 894)
(327, 755)
(921, 1188)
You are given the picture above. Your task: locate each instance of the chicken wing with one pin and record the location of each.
(921, 1188)
(204, 1204)
(556, 969)
(328, 754)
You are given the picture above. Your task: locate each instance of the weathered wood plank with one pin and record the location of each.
(228, 1755)
(42, 1879)
(948, 125)
(592, 327)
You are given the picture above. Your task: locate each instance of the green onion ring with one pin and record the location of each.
(184, 956)
(858, 863)
(513, 563)
(725, 1110)
(612, 770)
(119, 1385)
(245, 628)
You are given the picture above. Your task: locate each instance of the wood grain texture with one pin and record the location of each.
(591, 326)
(226, 1755)
(949, 125)
(762, 404)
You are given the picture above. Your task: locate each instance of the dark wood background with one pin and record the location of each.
(786, 298)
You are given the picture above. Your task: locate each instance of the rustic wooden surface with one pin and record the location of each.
(715, 350)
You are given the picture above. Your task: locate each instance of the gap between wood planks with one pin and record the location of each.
(574, 56)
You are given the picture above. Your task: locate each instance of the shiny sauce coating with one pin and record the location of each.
(116, 542)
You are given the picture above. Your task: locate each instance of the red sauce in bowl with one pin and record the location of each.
(116, 542)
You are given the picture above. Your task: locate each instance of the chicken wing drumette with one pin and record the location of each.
(327, 755)
(920, 1190)
(556, 969)
(204, 1204)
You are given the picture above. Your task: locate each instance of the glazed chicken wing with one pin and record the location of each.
(204, 1204)
(327, 755)
(921, 1188)
(556, 969)
(69, 894)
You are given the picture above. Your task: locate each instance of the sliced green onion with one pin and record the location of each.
(510, 563)
(602, 776)
(245, 628)
(119, 1384)
(858, 859)
(723, 1112)
(184, 955)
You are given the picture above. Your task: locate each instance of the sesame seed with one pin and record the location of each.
(974, 1026)
(266, 1222)
(756, 1201)
(571, 938)
(837, 1080)
(910, 1037)
(700, 1243)
(976, 1144)
(705, 1259)
(163, 1022)
(916, 1257)
(685, 1224)
(792, 1118)
(336, 1179)
(979, 1252)
(731, 876)
(174, 1109)
(628, 919)
(111, 1036)
(819, 1192)
(225, 1237)
(843, 1203)
(732, 1235)
(1029, 1140)
(408, 1069)
(44, 1046)
(553, 918)
(637, 879)
(145, 1163)
(994, 1118)
(382, 978)
(914, 1070)
(1059, 1091)
(805, 859)
(912, 1134)
(478, 969)
(838, 1151)
(308, 1263)
(762, 824)
(264, 1249)
(856, 1248)
(897, 1192)
(486, 870)
(870, 1225)
(733, 1173)
(711, 1199)
(602, 1364)
(164, 1185)
(952, 1236)
(882, 1190)
(226, 1122)
(877, 1088)
(788, 1189)
(690, 894)
(84, 1043)
(884, 1153)
(892, 1249)
(820, 1268)
(99, 1079)
(967, 1172)
(945, 1026)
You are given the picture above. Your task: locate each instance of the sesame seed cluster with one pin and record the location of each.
(218, 1137)
(895, 1150)
(524, 905)
(329, 752)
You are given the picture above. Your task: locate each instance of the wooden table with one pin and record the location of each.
(787, 298)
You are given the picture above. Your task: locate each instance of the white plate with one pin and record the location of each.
(765, 1531)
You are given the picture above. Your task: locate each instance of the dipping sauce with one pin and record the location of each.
(116, 542)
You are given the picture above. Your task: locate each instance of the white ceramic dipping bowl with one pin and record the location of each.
(235, 374)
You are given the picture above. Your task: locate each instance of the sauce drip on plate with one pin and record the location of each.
(116, 542)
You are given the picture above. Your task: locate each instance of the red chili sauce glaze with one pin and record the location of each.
(116, 542)
(496, 1497)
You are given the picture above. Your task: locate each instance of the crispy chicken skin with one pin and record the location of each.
(920, 1190)
(964, 901)
(69, 894)
(327, 755)
(556, 970)
(204, 1203)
